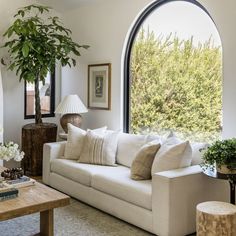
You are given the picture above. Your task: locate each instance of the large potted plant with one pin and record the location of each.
(36, 42)
(222, 155)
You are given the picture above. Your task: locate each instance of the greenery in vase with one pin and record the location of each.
(221, 152)
(37, 42)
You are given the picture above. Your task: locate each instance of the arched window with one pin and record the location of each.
(173, 72)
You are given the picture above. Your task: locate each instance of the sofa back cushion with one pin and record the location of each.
(129, 145)
(197, 152)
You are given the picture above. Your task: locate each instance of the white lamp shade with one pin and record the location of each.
(71, 104)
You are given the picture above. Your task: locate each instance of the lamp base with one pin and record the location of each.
(74, 119)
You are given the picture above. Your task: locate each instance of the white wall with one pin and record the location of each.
(104, 27)
(13, 91)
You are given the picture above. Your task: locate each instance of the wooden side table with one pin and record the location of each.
(216, 219)
(230, 177)
(34, 136)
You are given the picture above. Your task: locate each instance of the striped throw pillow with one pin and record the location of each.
(75, 141)
(100, 148)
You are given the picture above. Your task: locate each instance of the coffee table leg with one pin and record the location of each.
(46, 223)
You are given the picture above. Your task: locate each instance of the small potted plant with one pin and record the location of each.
(221, 154)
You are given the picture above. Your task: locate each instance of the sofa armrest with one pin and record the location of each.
(176, 193)
(51, 151)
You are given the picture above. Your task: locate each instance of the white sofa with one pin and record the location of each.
(164, 205)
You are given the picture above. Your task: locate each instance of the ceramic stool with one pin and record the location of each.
(216, 219)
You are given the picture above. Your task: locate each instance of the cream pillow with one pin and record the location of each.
(173, 154)
(75, 141)
(99, 148)
(142, 164)
(197, 152)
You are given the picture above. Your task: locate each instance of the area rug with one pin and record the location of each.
(77, 219)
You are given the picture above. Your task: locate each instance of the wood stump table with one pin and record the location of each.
(34, 136)
(216, 219)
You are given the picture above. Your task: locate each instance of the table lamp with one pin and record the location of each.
(71, 107)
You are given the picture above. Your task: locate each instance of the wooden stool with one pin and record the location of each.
(216, 219)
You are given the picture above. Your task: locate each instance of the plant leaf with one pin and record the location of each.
(25, 50)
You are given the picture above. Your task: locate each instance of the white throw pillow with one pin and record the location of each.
(130, 144)
(173, 154)
(197, 153)
(75, 141)
(99, 148)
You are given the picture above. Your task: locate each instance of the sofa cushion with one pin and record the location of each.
(99, 149)
(79, 172)
(129, 145)
(120, 185)
(197, 152)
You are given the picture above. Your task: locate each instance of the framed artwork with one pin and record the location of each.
(99, 86)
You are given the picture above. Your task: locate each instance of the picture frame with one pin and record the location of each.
(99, 86)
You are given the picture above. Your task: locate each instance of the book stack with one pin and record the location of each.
(9, 188)
(23, 181)
(8, 193)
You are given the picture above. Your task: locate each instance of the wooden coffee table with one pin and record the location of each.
(36, 198)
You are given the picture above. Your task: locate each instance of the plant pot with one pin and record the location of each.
(223, 169)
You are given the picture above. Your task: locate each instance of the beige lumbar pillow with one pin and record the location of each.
(173, 154)
(99, 148)
(75, 141)
(142, 164)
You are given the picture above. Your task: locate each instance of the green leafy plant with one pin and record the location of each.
(221, 152)
(37, 42)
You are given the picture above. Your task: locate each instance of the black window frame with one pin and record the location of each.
(52, 99)
(127, 56)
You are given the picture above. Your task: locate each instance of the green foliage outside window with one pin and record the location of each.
(177, 86)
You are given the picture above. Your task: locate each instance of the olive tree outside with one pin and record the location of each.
(177, 86)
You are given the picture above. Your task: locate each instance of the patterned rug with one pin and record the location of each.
(77, 219)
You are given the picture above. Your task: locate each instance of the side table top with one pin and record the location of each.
(217, 208)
